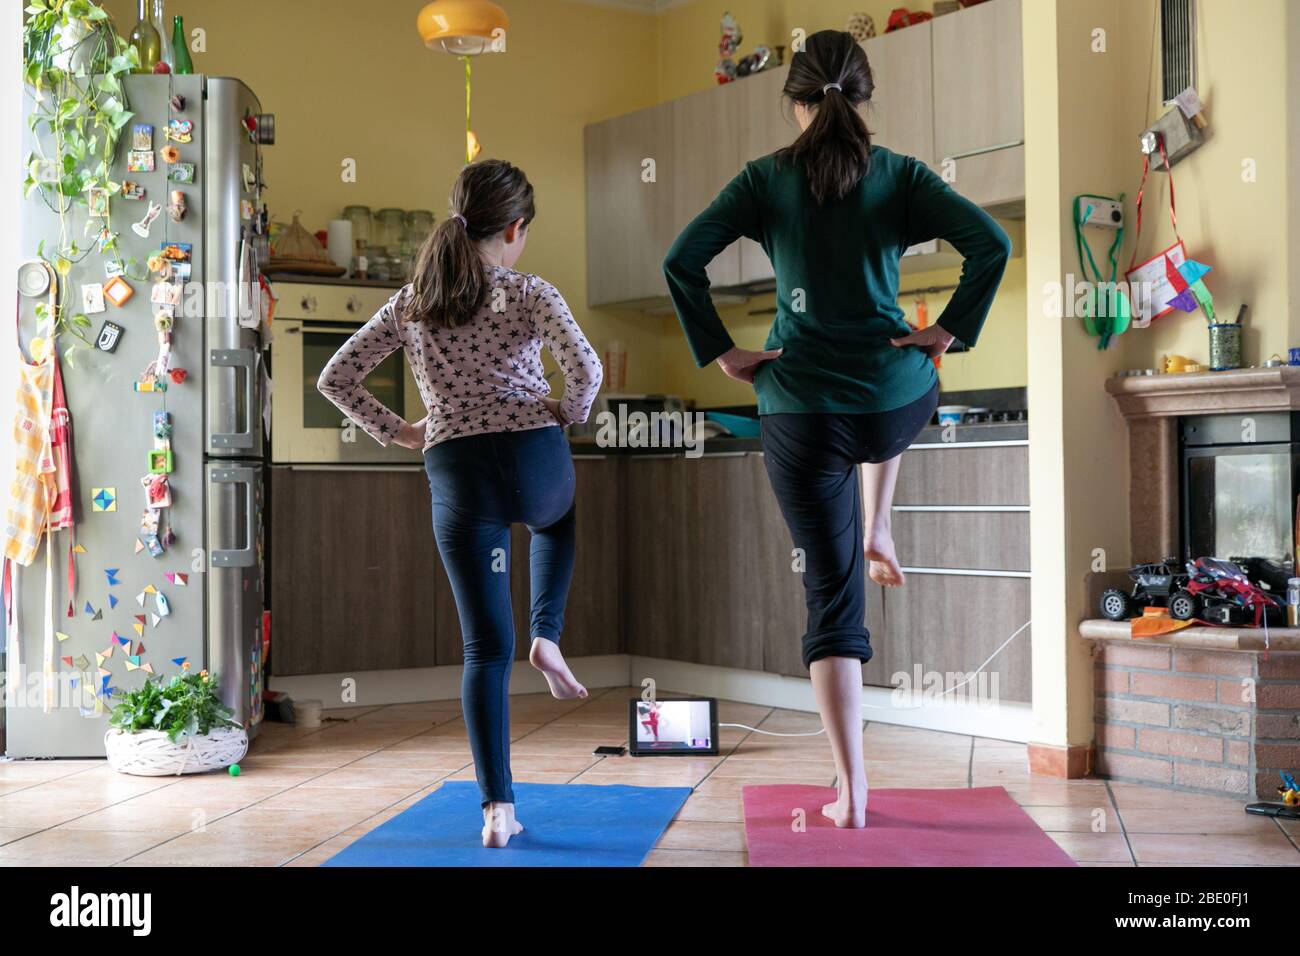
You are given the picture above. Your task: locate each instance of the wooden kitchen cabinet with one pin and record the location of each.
(593, 618)
(353, 571)
(901, 115)
(769, 126)
(629, 220)
(705, 157)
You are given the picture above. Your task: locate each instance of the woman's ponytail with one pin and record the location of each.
(451, 282)
(831, 75)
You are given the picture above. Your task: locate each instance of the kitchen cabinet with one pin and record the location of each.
(629, 212)
(979, 115)
(593, 617)
(901, 115)
(353, 571)
(769, 126)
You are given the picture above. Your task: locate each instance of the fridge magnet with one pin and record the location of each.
(79, 549)
(140, 161)
(157, 491)
(132, 663)
(62, 637)
(178, 206)
(92, 298)
(147, 668)
(139, 545)
(166, 293)
(142, 227)
(156, 619)
(162, 425)
(177, 103)
(181, 662)
(110, 333)
(250, 178)
(164, 606)
(141, 598)
(121, 641)
(103, 499)
(118, 291)
(150, 384)
(177, 578)
(68, 661)
(245, 209)
(139, 626)
(142, 136)
(177, 252)
(160, 266)
(170, 154)
(178, 375)
(111, 574)
(150, 589)
(132, 190)
(153, 545)
(180, 131)
(181, 173)
(105, 240)
(100, 657)
(82, 662)
(97, 200)
(112, 602)
(113, 268)
(160, 462)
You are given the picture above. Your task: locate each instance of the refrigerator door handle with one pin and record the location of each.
(245, 359)
(245, 557)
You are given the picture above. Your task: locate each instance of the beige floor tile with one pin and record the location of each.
(1256, 849)
(131, 816)
(702, 808)
(446, 761)
(1043, 792)
(1094, 847)
(695, 858)
(320, 823)
(1177, 819)
(1136, 797)
(316, 758)
(369, 778)
(337, 798)
(699, 835)
(226, 849)
(9, 834)
(319, 854)
(1102, 819)
(63, 847)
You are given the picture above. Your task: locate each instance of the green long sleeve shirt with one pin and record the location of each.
(837, 280)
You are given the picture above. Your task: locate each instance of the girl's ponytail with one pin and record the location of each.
(451, 282)
(831, 74)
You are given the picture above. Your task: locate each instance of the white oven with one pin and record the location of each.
(312, 321)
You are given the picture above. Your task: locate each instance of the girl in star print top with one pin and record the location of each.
(472, 330)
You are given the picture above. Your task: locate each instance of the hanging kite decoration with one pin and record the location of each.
(465, 29)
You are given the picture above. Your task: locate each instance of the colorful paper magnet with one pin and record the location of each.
(131, 665)
(114, 267)
(166, 293)
(142, 136)
(112, 601)
(122, 641)
(79, 549)
(160, 461)
(111, 574)
(177, 578)
(150, 589)
(97, 202)
(147, 668)
(132, 190)
(139, 647)
(61, 636)
(181, 173)
(156, 620)
(150, 385)
(181, 661)
(82, 662)
(140, 161)
(68, 661)
(180, 131)
(162, 425)
(153, 545)
(103, 499)
(178, 206)
(118, 291)
(140, 599)
(139, 545)
(139, 627)
(110, 333)
(92, 298)
(164, 606)
(142, 227)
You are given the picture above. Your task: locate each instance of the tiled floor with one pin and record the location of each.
(305, 794)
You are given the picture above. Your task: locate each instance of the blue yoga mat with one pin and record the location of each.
(564, 825)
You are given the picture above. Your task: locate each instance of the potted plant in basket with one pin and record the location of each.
(174, 728)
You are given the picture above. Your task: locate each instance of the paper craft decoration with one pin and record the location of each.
(118, 291)
(103, 499)
(112, 601)
(97, 201)
(92, 298)
(146, 222)
(82, 662)
(89, 609)
(79, 549)
(139, 647)
(68, 661)
(1187, 280)
(111, 574)
(157, 491)
(147, 668)
(1149, 287)
(61, 636)
(156, 620)
(177, 578)
(122, 641)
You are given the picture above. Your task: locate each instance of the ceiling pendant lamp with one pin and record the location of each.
(464, 28)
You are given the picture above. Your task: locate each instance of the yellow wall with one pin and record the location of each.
(352, 79)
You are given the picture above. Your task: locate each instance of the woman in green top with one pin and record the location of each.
(843, 380)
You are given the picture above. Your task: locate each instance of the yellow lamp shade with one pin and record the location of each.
(463, 27)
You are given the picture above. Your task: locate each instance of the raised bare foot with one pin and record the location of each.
(499, 825)
(849, 811)
(883, 568)
(546, 657)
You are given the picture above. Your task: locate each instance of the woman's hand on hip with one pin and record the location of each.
(932, 340)
(743, 364)
(553, 404)
(412, 434)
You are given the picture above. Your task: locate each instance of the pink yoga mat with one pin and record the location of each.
(982, 826)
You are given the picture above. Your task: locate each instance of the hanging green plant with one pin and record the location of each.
(73, 65)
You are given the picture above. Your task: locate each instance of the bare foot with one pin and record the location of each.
(499, 825)
(849, 811)
(546, 657)
(883, 568)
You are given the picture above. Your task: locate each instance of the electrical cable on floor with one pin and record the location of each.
(978, 671)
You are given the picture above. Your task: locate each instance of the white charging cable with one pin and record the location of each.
(978, 671)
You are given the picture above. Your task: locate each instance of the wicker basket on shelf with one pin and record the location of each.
(150, 753)
(298, 251)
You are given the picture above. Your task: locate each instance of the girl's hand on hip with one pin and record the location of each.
(412, 434)
(933, 340)
(553, 404)
(743, 364)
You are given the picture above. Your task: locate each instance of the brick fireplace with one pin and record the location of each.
(1213, 709)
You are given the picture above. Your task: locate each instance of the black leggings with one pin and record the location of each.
(812, 461)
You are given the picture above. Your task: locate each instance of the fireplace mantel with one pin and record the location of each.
(1274, 389)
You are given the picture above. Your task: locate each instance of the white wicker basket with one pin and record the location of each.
(148, 753)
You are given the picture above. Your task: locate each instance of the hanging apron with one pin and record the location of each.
(40, 495)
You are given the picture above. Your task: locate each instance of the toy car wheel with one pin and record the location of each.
(1115, 605)
(1183, 606)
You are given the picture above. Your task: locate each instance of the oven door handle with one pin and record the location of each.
(340, 329)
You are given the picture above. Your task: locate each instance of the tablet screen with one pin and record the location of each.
(673, 727)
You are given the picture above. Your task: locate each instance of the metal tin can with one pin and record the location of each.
(1225, 346)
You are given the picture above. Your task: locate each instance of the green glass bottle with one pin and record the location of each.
(181, 47)
(147, 42)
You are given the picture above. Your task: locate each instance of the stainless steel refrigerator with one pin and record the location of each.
(210, 575)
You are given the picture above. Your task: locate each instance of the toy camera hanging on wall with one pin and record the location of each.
(464, 28)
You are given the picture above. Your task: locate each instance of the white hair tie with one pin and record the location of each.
(832, 86)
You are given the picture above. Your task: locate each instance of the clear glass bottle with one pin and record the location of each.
(181, 48)
(146, 40)
(159, 21)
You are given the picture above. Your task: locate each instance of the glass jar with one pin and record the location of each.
(360, 218)
(390, 227)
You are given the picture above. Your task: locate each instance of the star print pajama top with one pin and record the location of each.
(495, 457)
(484, 376)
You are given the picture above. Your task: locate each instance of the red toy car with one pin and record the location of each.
(1221, 592)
